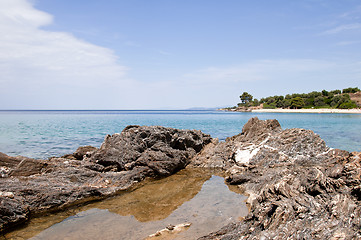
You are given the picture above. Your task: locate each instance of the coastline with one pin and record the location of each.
(321, 110)
(289, 171)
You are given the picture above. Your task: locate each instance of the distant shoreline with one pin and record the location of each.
(321, 110)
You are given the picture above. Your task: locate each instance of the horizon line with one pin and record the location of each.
(186, 109)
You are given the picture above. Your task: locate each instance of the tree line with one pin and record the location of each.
(324, 99)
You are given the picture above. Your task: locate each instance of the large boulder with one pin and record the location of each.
(298, 187)
(162, 150)
(263, 142)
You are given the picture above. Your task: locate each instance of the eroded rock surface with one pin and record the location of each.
(30, 186)
(298, 187)
(159, 150)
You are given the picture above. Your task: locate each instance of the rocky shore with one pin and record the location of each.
(29, 187)
(297, 187)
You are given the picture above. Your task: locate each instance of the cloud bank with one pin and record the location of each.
(45, 66)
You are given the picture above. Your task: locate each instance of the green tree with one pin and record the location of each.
(351, 90)
(286, 103)
(309, 102)
(348, 105)
(334, 92)
(313, 94)
(338, 100)
(255, 102)
(246, 98)
(297, 102)
(319, 101)
(335, 100)
(269, 106)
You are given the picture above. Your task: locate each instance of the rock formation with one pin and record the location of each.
(31, 186)
(298, 188)
(159, 151)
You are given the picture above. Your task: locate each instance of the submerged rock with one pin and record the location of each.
(169, 232)
(298, 188)
(31, 186)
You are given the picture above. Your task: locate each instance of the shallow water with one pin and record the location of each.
(42, 134)
(199, 197)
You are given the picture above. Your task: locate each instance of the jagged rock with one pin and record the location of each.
(84, 151)
(12, 212)
(81, 153)
(298, 187)
(31, 186)
(20, 166)
(162, 150)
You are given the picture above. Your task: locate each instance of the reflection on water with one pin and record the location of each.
(192, 196)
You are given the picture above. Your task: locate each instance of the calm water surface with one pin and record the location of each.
(198, 197)
(41, 134)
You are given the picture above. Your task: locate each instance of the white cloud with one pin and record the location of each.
(164, 53)
(36, 62)
(347, 43)
(261, 70)
(354, 14)
(55, 70)
(342, 28)
(20, 13)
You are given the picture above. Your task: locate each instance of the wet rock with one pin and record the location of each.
(169, 232)
(31, 186)
(12, 212)
(298, 187)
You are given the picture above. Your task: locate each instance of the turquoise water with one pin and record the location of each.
(42, 134)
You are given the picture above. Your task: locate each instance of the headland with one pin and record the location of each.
(346, 101)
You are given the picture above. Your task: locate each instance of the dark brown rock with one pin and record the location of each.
(81, 153)
(31, 186)
(12, 212)
(298, 187)
(162, 150)
(19, 166)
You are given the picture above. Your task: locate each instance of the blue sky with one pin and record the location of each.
(142, 54)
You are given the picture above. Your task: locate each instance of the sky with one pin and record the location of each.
(179, 54)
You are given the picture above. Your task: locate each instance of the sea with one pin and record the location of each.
(208, 203)
(44, 134)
